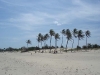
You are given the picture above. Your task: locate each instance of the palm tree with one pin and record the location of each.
(74, 32)
(42, 40)
(68, 36)
(38, 40)
(46, 36)
(57, 36)
(63, 33)
(28, 42)
(52, 33)
(87, 34)
(80, 36)
(40, 37)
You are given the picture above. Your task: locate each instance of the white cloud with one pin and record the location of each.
(79, 10)
(27, 21)
(28, 18)
(57, 23)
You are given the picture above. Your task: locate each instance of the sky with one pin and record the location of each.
(21, 20)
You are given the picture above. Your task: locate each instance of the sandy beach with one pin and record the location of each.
(75, 63)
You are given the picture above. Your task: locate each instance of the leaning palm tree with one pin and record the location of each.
(87, 34)
(80, 36)
(28, 42)
(74, 34)
(46, 36)
(68, 36)
(52, 33)
(63, 33)
(57, 36)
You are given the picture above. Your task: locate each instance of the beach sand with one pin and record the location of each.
(31, 63)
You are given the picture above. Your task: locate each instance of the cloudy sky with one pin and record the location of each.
(21, 20)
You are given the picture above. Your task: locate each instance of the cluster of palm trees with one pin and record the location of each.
(70, 35)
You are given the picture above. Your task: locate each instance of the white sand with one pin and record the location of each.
(76, 63)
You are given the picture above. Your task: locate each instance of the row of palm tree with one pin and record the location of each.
(70, 36)
(41, 38)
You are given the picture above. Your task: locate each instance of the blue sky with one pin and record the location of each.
(21, 20)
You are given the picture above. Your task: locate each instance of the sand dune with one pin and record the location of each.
(76, 63)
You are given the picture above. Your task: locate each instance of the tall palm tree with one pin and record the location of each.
(46, 36)
(74, 34)
(38, 40)
(63, 33)
(80, 36)
(40, 36)
(28, 42)
(42, 40)
(57, 36)
(68, 36)
(87, 34)
(52, 33)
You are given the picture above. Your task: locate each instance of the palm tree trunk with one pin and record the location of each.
(66, 44)
(41, 44)
(27, 46)
(86, 43)
(61, 44)
(78, 45)
(62, 40)
(72, 44)
(56, 45)
(44, 46)
(38, 46)
(50, 44)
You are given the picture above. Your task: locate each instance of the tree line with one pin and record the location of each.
(70, 36)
